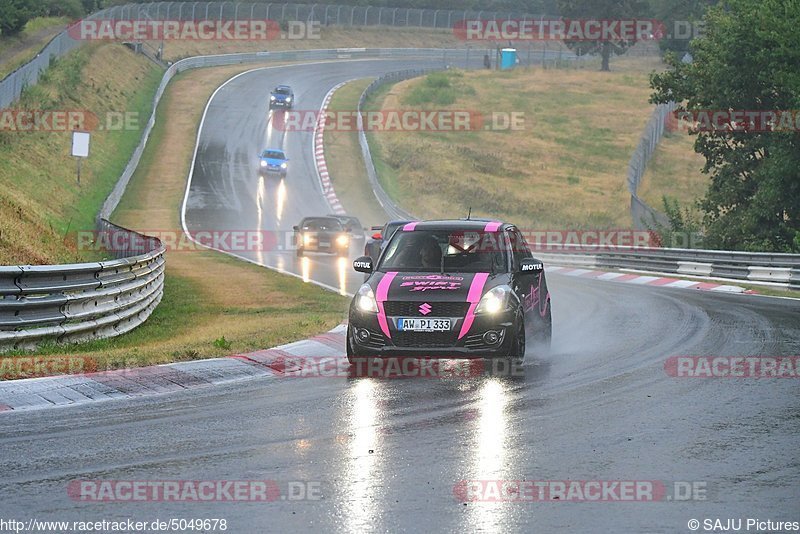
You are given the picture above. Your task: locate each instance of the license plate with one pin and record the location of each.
(324, 243)
(423, 325)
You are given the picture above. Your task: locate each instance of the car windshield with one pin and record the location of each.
(323, 224)
(283, 91)
(350, 222)
(390, 229)
(446, 251)
(273, 154)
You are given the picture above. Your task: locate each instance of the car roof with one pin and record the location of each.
(320, 218)
(460, 224)
(282, 87)
(273, 150)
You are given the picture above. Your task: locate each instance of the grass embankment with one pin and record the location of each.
(17, 50)
(674, 171)
(40, 200)
(565, 169)
(345, 162)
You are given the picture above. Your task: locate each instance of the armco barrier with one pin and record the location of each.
(82, 301)
(774, 269)
(756, 267)
(389, 206)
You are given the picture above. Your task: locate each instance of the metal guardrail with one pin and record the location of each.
(774, 269)
(757, 267)
(389, 206)
(82, 301)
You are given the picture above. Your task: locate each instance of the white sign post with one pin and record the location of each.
(80, 148)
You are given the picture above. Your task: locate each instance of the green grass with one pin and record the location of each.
(17, 50)
(438, 89)
(565, 168)
(38, 177)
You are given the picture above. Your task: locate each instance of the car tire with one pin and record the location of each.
(300, 252)
(516, 352)
(351, 357)
(544, 334)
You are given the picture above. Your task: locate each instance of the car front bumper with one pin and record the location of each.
(440, 345)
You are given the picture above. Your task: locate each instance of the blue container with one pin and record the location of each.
(508, 58)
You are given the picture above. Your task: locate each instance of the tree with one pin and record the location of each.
(682, 21)
(602, 10)
(14, 14)
(746, 60)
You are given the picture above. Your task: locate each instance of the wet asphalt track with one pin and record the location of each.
(387, 453)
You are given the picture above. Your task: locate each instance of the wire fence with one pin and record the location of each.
(326, 14)
(645, 217)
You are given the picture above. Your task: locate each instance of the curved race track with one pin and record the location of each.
(388, 453)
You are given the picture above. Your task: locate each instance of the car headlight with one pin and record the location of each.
(284, 165)
(272, 98)
(263, 163)
(342, 240)
(306, 239)
(495, 300)
(288, 98)
(365, 299)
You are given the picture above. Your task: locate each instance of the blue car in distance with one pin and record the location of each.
(281, 97)
(273, 161)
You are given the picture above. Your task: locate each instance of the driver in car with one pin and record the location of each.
(422, 252)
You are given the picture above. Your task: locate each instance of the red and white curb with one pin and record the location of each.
(319, 155)
(71, 390)
(644, 280)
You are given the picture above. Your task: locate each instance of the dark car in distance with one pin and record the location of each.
(450, 289)
(281, 97)
(321, 234)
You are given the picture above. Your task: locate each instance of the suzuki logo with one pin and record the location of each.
(425, 309)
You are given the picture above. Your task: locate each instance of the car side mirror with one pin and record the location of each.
(363, 265)
(296, 228)
(377, 236)
(531, 266)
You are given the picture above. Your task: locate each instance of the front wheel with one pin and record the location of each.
(300, 252)
(516, 352)
(352, 357)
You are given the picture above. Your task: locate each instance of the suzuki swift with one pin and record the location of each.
(450, 289)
